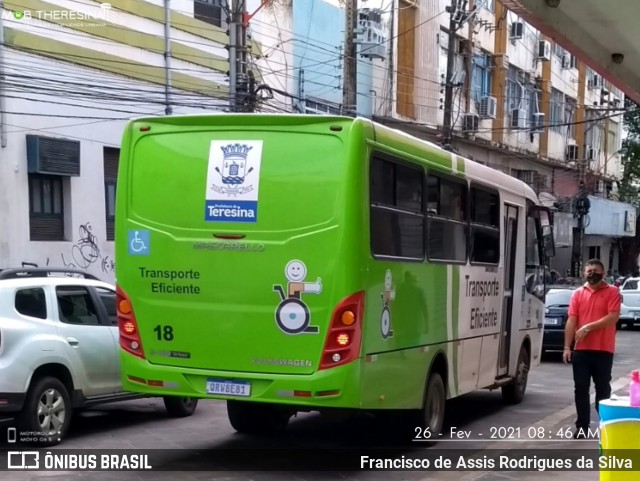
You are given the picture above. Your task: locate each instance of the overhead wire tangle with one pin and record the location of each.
(90, 64)
(424, 22)
(92, 94)
(81, 84)
(485, 130)
(108, 42)
(257, 21)
(98, 97)
(109, 88)
(199, 71)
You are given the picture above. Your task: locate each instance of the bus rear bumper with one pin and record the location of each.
(331, 388)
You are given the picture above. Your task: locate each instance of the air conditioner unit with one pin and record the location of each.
(544, 50)
(566, 61)
(518, 118)
(572, 152)
(488, 107)
(371, 35)
(470, 122)
(538, 122)
(589, 152)
(517, 30)
(595, 82)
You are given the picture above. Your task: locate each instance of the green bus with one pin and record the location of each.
(292, 263)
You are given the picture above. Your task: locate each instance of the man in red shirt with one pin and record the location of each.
(593, 314)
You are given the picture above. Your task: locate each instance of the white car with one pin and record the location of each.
(59, 351)
(630, 308)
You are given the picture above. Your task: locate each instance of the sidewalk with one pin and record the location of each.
(562, 449)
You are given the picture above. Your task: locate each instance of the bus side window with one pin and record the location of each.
(396, 217)
(447, 219)
(535, 271)
(485, 226)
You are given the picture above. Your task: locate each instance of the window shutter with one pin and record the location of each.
(47, 155)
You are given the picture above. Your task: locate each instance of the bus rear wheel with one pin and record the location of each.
(513, 393)
(180, 407)
(434, 405)
(256, 418)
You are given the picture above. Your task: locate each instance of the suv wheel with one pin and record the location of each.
(180, 407)
(46, 414)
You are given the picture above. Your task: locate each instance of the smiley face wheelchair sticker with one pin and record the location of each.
(292, 314)
(388, 295)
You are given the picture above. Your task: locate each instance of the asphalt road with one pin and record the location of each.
(471, 421)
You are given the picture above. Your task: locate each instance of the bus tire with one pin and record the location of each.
(256, 418)
(180, 407)
(435, 399)
(513, 393)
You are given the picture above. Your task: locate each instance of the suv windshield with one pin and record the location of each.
(559, 298)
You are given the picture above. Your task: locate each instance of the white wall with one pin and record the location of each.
(58, 113)
(273, 28)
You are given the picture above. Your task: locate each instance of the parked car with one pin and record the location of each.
(59, 350)
(555, 317)
(630, 308)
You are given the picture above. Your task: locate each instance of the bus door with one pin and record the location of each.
(510, 243)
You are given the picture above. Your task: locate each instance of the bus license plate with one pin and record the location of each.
(228, 388)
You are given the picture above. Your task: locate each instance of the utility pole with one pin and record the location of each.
(458, 16)
(237, 55)
(235, 21)
(582, 209)
(167, 56)
(350, 81)
(242, 88)
(448, 92)
(3, 117)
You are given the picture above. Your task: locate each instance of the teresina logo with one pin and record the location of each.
(282, 362)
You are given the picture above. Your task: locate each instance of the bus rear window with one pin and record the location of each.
(296, 178)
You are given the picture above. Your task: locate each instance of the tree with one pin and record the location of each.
(629, 185)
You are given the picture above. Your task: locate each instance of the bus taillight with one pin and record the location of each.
(342, 344)
(127, 326)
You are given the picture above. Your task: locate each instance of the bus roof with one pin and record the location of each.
(472, 170)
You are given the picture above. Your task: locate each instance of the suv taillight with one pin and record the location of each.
(127, 326)
(342, 344)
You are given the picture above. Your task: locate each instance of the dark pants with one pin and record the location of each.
(587, 365)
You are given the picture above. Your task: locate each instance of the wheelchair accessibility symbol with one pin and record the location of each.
(139, 242)
(292, 314)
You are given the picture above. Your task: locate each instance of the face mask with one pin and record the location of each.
(594, 278)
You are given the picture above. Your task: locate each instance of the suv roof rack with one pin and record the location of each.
(42, 272)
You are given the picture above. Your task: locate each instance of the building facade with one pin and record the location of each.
(522, 104)
(75, 71)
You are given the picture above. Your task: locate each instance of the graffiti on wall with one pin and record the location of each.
(85, 254)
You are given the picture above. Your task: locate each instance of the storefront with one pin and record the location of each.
(606, 222)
